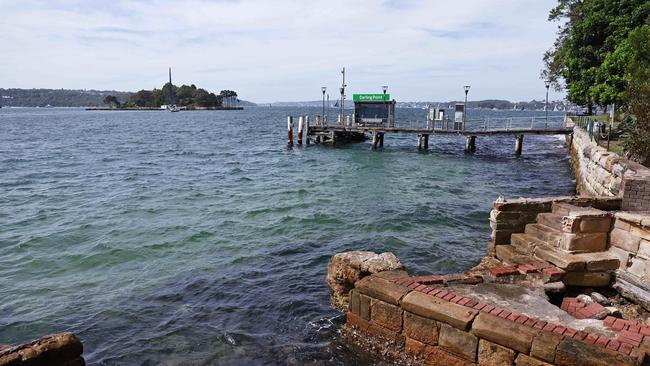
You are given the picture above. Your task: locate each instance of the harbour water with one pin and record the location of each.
(199, 238)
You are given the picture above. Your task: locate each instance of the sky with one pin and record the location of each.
(282, 50)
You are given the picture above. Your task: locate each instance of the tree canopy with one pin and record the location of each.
(185, 95)
(591, 56)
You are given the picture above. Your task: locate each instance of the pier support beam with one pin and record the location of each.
(375, 139)
(470, 144)
(301, 126)
(307, 138)
(381, 139)
(519, 144)
(426, 142)
(333, 137)
(290, 131)
(423, 141)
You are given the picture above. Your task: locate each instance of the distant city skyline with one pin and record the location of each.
(282, 50)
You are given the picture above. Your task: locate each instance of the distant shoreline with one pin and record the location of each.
(162, 109)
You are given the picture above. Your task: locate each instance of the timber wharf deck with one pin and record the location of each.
(348, 130)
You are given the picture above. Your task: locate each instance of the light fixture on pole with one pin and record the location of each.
(323, 89)
(547, 83)
(466, 87)
(384, 88)
(342, 95)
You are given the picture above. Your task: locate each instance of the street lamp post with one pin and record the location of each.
(547, 83)
(342, 95)
(466, 87)
(323, 89)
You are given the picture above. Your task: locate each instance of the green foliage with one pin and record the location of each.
(57, 97)
(591, 53)
(187, 96)
(112, 101)
(636, 127)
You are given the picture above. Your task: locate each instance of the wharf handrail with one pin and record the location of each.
(485, 124)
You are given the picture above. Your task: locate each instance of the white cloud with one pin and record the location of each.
(281, 50)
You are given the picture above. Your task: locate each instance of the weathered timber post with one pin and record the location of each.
(333, 137)
(519, 144)
(470, 144)
(318, 120)
(290, 131)
(426, 142)
(308, 139)
(381, 140)
(301, 125)
(375, 139)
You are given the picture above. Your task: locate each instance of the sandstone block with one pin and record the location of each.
(595, 224)
(524, 360)
(622, 256)
(364, 306)
(587, 279)
(422, 329)
(375, 330)
(439, 356)
(544, 346)
(385, 314)
(433, 308)
(494, 355)
(643, 233)
(414, 348)
(506, 252)
(345, 269)
(504, 332)
(524, 243)
(560, 259)
(581, 242)
(644, 249)
(501, 236)
(640, 267)
(354, 301)
(458, 342)
(381, 289)
(624, 240)
(571, 352)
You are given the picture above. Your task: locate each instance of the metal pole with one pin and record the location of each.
(323, 89)
(342, 91)
(547, 84)
(328, 108)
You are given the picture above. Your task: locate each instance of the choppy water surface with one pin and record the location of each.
(199, 238)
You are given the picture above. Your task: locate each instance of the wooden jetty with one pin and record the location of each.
(352, 128)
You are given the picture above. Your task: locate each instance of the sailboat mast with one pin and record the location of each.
(171, 88)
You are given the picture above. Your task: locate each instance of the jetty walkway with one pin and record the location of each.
(352, 129)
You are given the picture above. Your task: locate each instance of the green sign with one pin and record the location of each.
(371, 97)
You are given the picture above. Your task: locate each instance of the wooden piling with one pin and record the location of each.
(381, 140)
(375, 139)
(308, 140)
(470, 144)
(301, 125)
(290, 131)
(318, 120)
(519, 144)
(426, 142)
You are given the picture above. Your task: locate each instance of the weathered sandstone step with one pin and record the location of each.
(544, 234)
(577, 262)
(524, 243)
(571, 242)
(551, 220)
(566, 209)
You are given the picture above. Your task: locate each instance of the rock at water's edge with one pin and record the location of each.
(344, 269)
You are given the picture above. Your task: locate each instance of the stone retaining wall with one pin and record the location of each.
(630, 242)
(602, 173)
(400, 318)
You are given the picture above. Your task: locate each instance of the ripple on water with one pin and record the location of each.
(181, 238)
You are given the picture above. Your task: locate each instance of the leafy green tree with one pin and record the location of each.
(589, 57)
(636, 127)
(112, 101)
